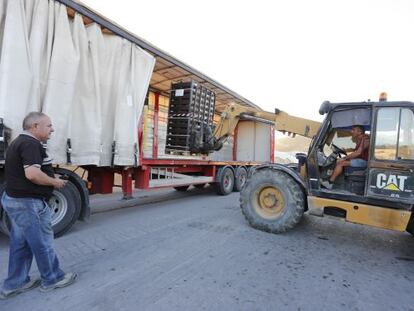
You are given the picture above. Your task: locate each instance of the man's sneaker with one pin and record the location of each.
(327, 184)
(4, 294)
(68, 279)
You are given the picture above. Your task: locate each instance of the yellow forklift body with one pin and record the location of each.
(372, 215)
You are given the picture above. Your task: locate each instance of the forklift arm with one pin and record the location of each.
(282, 121)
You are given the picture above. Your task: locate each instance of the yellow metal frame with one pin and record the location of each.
(283, 121)
(371, 215)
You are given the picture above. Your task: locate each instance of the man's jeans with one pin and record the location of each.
(31, 234)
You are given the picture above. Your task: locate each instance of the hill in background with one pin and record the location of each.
(286, 147)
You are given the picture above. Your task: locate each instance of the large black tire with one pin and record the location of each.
(65, 205)
(240, 178)
(272, 201)
(293, 166)
(225, 181)
(181, 188)
(82, 189)
(4, 221)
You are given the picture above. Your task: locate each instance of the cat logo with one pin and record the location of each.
(392, 182)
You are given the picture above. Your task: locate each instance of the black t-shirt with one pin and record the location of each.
(23, 152)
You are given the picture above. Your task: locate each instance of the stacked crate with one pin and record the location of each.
(191, 110)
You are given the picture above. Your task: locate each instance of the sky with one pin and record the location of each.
(290, 55)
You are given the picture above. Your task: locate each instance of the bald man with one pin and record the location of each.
(28, 187)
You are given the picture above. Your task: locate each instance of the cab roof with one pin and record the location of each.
(327, 106)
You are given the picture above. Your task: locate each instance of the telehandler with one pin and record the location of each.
(275, 196)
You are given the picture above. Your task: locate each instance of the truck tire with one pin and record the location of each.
(4, 223)
(272, 201)
(240, 178)
(225, 181)
(181, 188)
(82, 189)
(4, 220)
(65, 205)
(250, 171)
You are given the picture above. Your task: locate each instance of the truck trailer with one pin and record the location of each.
(109, 94)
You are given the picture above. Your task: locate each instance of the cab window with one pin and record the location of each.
(340, 138)
(394, 134)
(341, 125)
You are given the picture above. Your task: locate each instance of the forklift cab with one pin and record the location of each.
(388, 177)
(338, 143)
(380, 194)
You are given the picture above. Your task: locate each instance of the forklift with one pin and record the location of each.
(276, 196)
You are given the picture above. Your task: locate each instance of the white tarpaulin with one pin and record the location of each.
(41, 28)
(16, 76)
(60, 86)
(86, 117)
(130, 102)
(92, 85)
(111, 74)
(3, 7)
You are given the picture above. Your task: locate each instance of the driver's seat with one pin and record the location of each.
(355, 177)
(350, 170)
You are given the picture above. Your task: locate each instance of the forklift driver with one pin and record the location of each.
(357, 158)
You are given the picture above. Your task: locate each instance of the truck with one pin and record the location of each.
(276, 196)
(128, 114)
(125, 112)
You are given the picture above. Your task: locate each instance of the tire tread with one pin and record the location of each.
(297, 197)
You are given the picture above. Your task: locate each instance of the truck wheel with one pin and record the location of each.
(4, 220)
(5, 224)
(65, 205)
(272, 201)
(181, 188)
(225, 181)
(240, 178)
(79, 183)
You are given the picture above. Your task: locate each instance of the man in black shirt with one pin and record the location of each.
(29, 183)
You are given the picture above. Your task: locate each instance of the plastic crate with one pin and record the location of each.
(190, 112)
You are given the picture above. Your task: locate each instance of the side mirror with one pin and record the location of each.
(325, 107)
